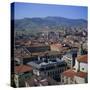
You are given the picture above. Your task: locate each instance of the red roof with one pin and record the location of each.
(81, 74)
(56, 45)
(22, 69)
(83, 58)
(69, 73)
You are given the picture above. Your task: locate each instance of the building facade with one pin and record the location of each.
(78, 74)
(49, 67)
(22, 72)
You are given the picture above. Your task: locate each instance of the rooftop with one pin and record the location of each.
(69, 73)
(45, 63)
(47, 53)
(56, 45)
(81, 74)
(22, 68)
(82, 58)
(38, 48)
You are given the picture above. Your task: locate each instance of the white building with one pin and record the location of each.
(78, 74)
(68, 59)
(68, 77)
(81, 63)
(48, 67)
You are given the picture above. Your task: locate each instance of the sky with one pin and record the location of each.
(29, 10)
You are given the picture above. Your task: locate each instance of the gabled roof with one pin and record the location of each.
(81, 74)
(22, 68)
(69, 73)
(82, 58)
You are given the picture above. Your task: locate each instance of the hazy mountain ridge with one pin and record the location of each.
(47, 23)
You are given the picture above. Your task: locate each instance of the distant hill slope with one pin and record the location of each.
(47, 23)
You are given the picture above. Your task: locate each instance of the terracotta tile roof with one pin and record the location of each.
(69, 73)
(81, 74)
(83, 58)
(22, 69)
(56, 45)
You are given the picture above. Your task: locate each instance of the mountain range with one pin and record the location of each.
(47, 23)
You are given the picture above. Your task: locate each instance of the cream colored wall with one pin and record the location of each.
(26, 84)
(85, 66)
(79, 80)
(16, 79)
(54, 48)
(36, 72)
(76, 65)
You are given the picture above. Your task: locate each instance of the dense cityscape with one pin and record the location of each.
(49, 50)
(50, 58)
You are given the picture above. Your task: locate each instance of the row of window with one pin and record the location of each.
(62, 65)
(56, 72)
(67, 80)
(51, 57)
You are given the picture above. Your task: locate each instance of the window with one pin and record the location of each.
(66, 79)
(71, 79)
(26, 72)
(62, 80)
(48, 73)
(82, 68)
